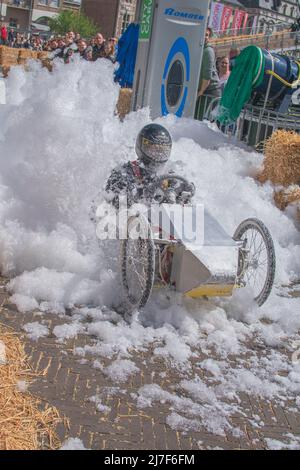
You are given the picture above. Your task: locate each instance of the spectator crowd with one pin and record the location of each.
(214, 75)
(61, 46)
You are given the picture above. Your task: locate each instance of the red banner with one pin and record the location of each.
(245, 21)
(227, 12)
(237, 21)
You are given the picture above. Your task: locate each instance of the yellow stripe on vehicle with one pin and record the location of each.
(211, 290)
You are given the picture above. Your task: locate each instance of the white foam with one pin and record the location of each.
(36, 330)
(73, 443)
(59, 140)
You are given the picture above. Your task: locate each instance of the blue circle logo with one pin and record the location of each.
(179, 46)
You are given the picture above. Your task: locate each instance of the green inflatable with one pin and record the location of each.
(247, 74)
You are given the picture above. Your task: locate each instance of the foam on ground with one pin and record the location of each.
(59, 140)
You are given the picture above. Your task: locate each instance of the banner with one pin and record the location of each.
(237, 21)
(254, 25)
(227, 12)
(245, 22)
(216, 16)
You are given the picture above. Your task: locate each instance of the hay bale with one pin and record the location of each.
(124, 102)
(25, 55)
(8, 55)
(285, 197)
(22, 61)
(48, 64)
(42, 55)
(24, 425)
(5, 70)
(282, 159)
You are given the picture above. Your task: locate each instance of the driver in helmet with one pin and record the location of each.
(133, 179)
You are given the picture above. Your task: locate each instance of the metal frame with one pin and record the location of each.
(255, 123)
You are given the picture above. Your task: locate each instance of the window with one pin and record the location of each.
(50, 3)
(125, 21)
(13, 22)
(175, 83)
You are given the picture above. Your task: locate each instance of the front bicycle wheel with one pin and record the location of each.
(137, 256)
(257, 259)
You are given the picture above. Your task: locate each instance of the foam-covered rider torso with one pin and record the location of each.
(131, 180)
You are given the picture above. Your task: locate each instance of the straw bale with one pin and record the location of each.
(41, 55)
(5, 70)
(290, 195)
(124, 102)
(8, 55)
(24, 423)
(25, 54)
(282, 159)
(48, 64)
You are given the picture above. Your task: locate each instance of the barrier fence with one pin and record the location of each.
(255, 123)
(278, 40)
(258, 29)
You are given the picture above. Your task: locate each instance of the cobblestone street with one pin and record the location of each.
(69, 383)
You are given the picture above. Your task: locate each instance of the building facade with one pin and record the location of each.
(271, 12)
(252, 16)
(112, 16)
(33, 14)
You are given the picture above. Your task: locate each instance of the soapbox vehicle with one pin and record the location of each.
(213, 267)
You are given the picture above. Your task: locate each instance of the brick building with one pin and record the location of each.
(113, 16)
(22, 14)
(271, 12)
(252, 16)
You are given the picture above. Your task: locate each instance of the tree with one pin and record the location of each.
(68, 20)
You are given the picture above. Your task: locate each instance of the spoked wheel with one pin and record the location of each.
(137, 264)
(257, 260)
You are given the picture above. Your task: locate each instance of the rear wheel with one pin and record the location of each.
(137, 264)
(257, 260)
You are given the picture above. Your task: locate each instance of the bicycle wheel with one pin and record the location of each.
(257, 259)
(137, 265)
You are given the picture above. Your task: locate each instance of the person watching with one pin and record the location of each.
(98, 47)
(209, 86)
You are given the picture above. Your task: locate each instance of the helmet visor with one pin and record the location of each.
(156, 153)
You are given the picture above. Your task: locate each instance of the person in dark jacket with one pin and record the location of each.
(98, 47)
(11, 37)
(209, 85)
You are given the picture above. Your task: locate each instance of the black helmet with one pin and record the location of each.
(153, 145)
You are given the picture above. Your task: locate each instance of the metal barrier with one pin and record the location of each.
(279, 40)
(258, 29)
(255, 123)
